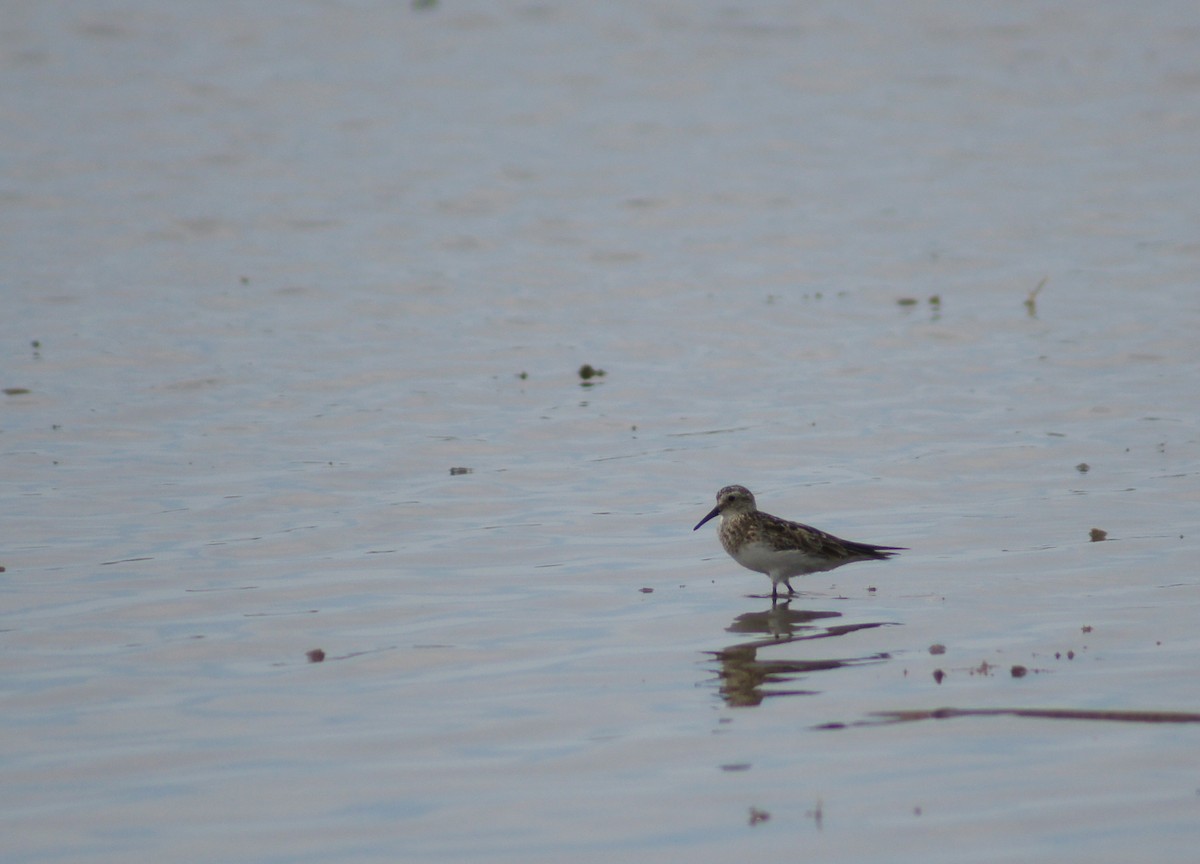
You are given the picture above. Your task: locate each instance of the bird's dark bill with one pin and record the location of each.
(716, 511)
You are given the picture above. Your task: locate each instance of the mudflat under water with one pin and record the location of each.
(296, 302)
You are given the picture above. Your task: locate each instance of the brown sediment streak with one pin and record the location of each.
(1112, 716)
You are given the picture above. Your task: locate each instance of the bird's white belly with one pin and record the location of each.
(779, 564)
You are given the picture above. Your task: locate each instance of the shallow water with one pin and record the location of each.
(275, 274)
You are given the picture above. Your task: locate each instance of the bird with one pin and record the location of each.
(779, 548)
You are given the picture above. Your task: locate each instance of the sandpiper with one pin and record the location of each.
(779, 548)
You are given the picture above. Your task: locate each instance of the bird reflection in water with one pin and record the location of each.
(744, 677)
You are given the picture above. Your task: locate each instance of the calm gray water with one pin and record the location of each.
(275, 272)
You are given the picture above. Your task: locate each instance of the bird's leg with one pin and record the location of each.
(788, 583)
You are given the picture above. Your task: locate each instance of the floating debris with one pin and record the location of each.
(938, 675)
(316, 655)
(1098, 534)
(817, 814)
(587, 372)
(1019, 671)
(934, 301)
(1083, 467)
(16, 391)
(757, 816)
(454, 472)
(646, 590)
(937, 648)
(1031, 300)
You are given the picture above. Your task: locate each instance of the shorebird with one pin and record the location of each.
(782, 549)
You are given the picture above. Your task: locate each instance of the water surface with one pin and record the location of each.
(297, 299)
